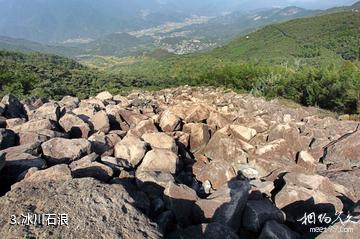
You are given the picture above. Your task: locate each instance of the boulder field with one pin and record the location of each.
(177, 163)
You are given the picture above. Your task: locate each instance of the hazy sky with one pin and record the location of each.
(301, 3)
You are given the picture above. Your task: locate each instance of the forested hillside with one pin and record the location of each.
(312, 61)
(319, 41)
(46, 76)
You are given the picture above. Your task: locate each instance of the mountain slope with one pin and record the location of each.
(227, 27)
(45, 75)
(26, 46)
(316, 40)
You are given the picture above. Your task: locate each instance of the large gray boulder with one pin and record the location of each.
(93, 209)
(160, 160)
(60, 150)
(75, 126)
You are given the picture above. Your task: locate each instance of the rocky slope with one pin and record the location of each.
(178, 163)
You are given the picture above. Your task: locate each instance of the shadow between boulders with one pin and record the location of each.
(187, 224)
(14, 171)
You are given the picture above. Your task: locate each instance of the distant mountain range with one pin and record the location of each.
(181, 36)
(53, 21)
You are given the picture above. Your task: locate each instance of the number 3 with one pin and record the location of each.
(13, 220)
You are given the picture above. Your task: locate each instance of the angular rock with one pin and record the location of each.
(18, 163)
(69, 103)
(242, 132)
(60, 172)
(291, 135)
(169, 122)
(307, 193)
(343, 154)
(85, 112)
(197, 114)
(226, 205)
(160, 160)
(264, 187)
(257, 212)
(180, 200)
(32, 103)
(60, 150)
(160, 141)
(199, 136)
(121, 100)
(39, 136)
(306, 160)
(348, 179)
(101, 122)
(218, 120)
(276, 149)
(10, 123)
(132, 118)
(50, 111)
(88, 167)
(93, 102)
(33, 125)
(115, 119)
(247, 171)
(221, 147)
(32, 148)
(217, 173)
(153, 183)
(132, 149)
(75, 126)
(104, 96)
(144, 127)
